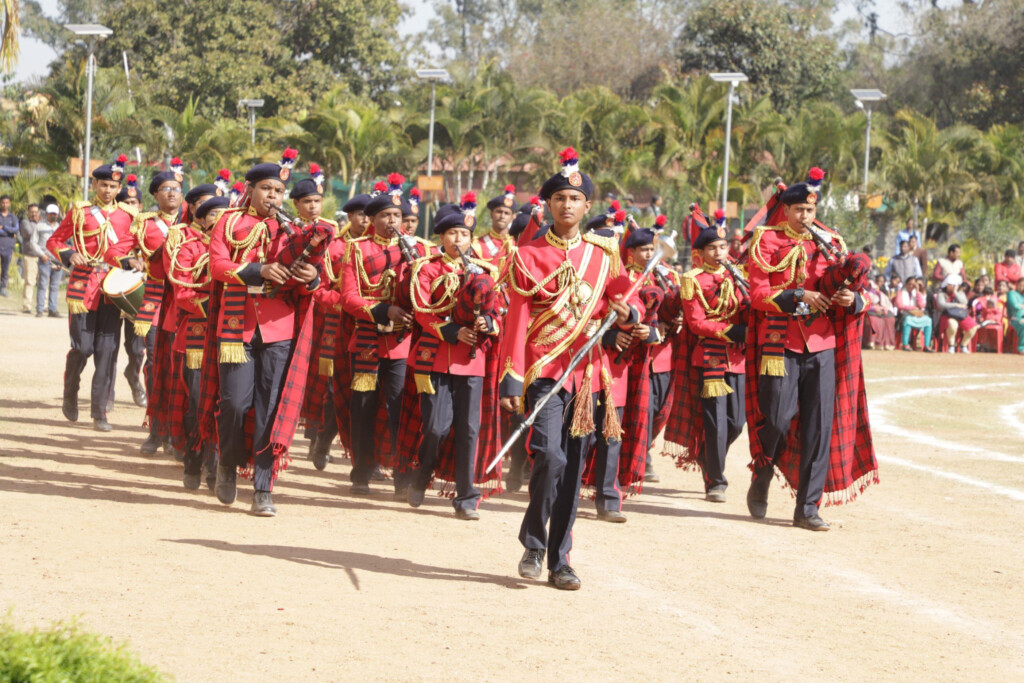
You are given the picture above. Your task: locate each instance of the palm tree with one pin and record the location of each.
(9, 35)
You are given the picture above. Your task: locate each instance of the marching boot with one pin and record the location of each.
(226, 488)
(151, 445)
(210, 467)
(138, 390)
(72, 379)
(757, 494)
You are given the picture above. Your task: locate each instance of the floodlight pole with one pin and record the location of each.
(728, 142)
(867, 145)
(90, 65)
(430, 135)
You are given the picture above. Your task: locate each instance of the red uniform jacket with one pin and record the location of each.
(436, 281)
(241, 243)
(329, 294)
(782, 260)
(712, 305)
(558, 295)
(92, 237)
(146, 239)
(370, 279)
(188, 271)
(497, 250)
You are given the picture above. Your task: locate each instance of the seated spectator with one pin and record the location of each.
(1019, 258)
(987, 309)
(1008, 270)
(895, 285)
(881, 284)
(1002, 289)
(882, 319)
(950, 265)
(911, 303)
(904, 264)
(955, 317)
(978, 289)
(1015, 312)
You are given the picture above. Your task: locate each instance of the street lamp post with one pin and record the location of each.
(432, 75)
(864, 100)
(733, 78)
(252, 106)
(92, 33)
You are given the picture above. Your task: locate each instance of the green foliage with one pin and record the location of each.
(992, 229)
(66, 653)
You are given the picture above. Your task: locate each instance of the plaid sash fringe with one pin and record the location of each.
(773, 351)
(77, 283)
(422, 362)
(152, 296)
(332, 328)
(232, 348)
(366, 361)
(195, 341)
(716, 359)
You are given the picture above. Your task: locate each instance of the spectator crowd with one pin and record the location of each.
(40, 273)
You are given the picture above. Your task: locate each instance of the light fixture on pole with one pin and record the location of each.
(252, 106)
(91, 33)
(733, 78)
(864, 100)
(432, 75)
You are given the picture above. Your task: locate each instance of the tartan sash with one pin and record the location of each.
(152, 295)
(325, 354)
(232, 348)
(195, 340)
(77, 284)
(366, 361)
(422, 362)
(773, 350)
(716, 360)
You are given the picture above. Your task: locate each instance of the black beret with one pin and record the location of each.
(304, 188)
(507, 199)
(640, 238)
(212, 204)
(569, 177)
(161, 178)
(113, 171)
(357, 203)
(711, 233)
(267, 170)
(204, 190)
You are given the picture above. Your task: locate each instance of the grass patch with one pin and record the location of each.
(63, 652)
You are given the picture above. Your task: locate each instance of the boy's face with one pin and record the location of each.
(568, 207)
(716, 252)
(456, 241)
(309, 207)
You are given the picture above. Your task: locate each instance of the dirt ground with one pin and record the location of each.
(921, 577)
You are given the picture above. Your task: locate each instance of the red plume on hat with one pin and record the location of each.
(289, 157)
(468, 204)
(378, 187)
(510, 189)
(570, 161)
(119, 164)
(535, 200)
(177, 165)
(815, 176)
(316, 174)
(395, 182)
(132, 179)
(620, 217)
(222, 180)
(720, 216)
(660, 222)
(414, 196)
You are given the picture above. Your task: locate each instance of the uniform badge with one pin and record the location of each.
(415, 209)
(132, 192)
(721, 232)
(774, 336)
(396, 200)
(508, 202)
(148, 306)
(218, 192)
(367, 353)
(575, 179)
(812, 198)
(425, 355)
(285, 173)
(319, 188)
(329, 340)
(714, 362)
(470, 220)
(233, 322)
(115, 175)
(197, 329)
(79, 285)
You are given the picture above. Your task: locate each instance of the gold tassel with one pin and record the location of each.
(364, 381)
(612, 427)
(583, 412)
(194, 359)
(142, 327)
(326, 367)
(713, 388)
(76, 307)
(423, 384)
(232, 352)
(773, 365)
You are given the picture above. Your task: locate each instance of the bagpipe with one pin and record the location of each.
(311, 239)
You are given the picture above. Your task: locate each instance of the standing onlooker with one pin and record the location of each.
(31, 251)
(9, 229)
(1015, 312)
(655, 207)
(955, 316)
(631, 207)
(919, 252)
(903, 264)
(950, 265)
(1008, 270)
(1019, 258)
(50, 273)
(904, 235)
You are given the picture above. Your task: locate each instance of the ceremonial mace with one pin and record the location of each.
(573, 362)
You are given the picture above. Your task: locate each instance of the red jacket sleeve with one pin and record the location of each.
(56, 244)
(191, 299)
(351, 301)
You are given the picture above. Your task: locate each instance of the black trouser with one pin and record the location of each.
(555, 481)
(455, 407)
(606, 465)
(809, 387)
(256, 384)
(724, 418)
(517, 453)
(5, 264)
(94, 333)
(136, 348)
(661, 387)
(328, 427)
(390, 381)
(193, 449)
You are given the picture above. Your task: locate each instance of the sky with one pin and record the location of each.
(35, 56)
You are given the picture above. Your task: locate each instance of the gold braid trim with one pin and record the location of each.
(259, 235)
(688, 284)
(795, 261)
(383, 289)
(450, 280)
(78, 237)
(138, 229)
(610, 245)
(195, 271)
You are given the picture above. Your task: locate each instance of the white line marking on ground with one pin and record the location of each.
(1006, 491)
(1009, 413)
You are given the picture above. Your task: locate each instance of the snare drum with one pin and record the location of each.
(125, 289)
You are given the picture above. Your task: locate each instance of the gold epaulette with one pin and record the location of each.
(128, 209)
(174, 238)
(139, 223)
(488, 267)
(81, 204)
(610, 245)
(688, 284)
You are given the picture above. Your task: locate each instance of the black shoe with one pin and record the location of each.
(110, 403)
(613, 516)
(138, 390)
(361, 489)
(312, 447)
(813, 523)
(70, 408)
(650, 476)
(191, 481)
(177, 454)
(262, 506)
(531, 564)
(757, 494)
(226, 489)
(469, 515)
(716, 494)
(514, 483)
(416, 496)
(378, 474)
(401, 495)
(100, 424)
(151, 445)
(39, 314)
(321, 455)
(55, 314)
(564, 579)
(211, 480)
